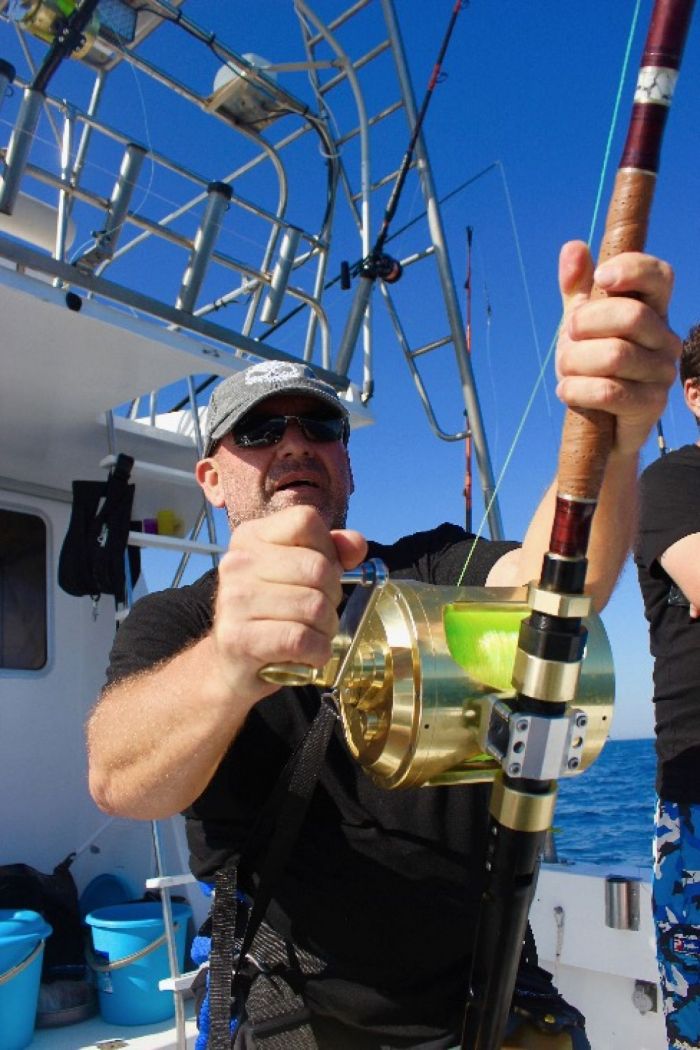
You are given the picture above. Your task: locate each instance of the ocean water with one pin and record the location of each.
(606, 815)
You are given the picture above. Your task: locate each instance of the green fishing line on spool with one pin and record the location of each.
(482, 638)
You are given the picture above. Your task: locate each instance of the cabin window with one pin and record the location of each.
(23, 626)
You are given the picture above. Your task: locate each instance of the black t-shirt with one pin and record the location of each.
(385, 885)
(670, 510)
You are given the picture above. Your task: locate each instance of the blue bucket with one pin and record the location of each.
(131, 957)
(102, 891)
(22, 936)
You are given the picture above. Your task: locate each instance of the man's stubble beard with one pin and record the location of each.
(335, 514)
(332, 519)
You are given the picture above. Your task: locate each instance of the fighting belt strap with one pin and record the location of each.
(227, 997)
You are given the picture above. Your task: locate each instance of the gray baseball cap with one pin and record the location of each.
(237, 394)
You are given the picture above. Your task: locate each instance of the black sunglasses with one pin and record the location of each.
(261, 433)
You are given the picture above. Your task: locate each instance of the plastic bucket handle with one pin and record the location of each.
(15, 971)
(100, 967)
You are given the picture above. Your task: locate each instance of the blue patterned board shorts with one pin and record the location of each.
(676, 901)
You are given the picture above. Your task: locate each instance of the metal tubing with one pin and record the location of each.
(18, 149)
(64, 195)
(347, 346)
(169, 938)
(471, 400)
(106, 238)
(358, 310)
(280, 275)
(219, 194)
(621, 902)
(199, 441)
(313, 320)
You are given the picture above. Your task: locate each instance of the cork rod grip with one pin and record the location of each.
(588, 435)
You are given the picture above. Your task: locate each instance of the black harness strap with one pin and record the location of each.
(275, 1009)
(223, 927)
(273, 1000)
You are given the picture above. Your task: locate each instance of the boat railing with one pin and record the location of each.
(261, 284)
(242, 255)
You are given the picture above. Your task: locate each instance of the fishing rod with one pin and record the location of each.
(552, 639)
(377, 263)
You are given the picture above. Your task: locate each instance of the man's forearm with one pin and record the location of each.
(614, 527)
(155, 739)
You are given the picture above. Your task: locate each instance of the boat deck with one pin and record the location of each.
(97, 1034)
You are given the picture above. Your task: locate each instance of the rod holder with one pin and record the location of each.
(352, 327)
(280, 276)
(18, 149)
(218, 196)
(106, 238)
(621, 902)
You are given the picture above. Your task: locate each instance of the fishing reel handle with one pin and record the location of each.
(368, 574)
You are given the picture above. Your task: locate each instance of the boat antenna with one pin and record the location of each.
(468, 498)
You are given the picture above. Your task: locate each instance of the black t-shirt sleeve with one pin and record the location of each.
(446, 555)
(160, 625)
(669, 507)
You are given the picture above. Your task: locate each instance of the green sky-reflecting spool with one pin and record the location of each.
(483, 638)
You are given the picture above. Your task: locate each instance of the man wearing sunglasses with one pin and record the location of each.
(372, 916)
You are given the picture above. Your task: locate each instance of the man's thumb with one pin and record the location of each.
(575, 274)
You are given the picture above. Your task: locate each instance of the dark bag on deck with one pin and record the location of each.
(91, 561)
(55, 897)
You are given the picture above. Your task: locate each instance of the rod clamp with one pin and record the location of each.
(535, 747)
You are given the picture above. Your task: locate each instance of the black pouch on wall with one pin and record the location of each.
(91, 561)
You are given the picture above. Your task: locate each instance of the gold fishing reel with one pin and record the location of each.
(422, 676)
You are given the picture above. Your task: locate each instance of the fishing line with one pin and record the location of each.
(613, 122)
(553, 343)
(506, 462)
(442, 200)
(149, 139)
(528, 297)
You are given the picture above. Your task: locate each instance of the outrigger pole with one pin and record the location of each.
(552, 638)
(468, 478)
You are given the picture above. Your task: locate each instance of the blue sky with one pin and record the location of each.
(528, 93)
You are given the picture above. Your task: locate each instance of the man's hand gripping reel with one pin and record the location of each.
(424, 683)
